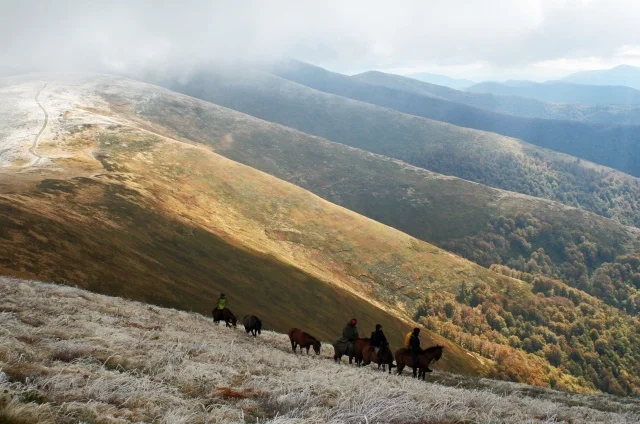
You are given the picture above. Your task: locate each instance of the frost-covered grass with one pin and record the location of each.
(69, 355)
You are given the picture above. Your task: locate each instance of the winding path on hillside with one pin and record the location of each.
(34, 145)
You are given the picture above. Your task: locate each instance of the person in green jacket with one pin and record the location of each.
(222, 302)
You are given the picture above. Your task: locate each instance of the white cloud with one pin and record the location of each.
(507, 37)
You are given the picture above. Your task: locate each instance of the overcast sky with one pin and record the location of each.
(478, 39)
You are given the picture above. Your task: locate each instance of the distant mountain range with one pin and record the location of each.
(564, 92)
(443, 80)
(614, 146)
(623, 75)
(509, 105)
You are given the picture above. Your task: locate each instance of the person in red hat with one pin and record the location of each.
(349, 336)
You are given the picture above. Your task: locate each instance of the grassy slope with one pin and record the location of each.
(448, 211)
(113, 241)
(92, 358)
(509, 105)
(227, 227)
(479, 156)
(426, 205)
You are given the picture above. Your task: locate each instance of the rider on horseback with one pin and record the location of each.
(415, 350)
(222, 302)
(378, 340)
(349, 336)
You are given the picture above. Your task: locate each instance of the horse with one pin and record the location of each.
(340, 349)
(359, 346)
(252, 324)
(369, 355)
(224, 315)
(403, 358)
(304, 340)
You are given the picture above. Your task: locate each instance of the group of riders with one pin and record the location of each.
(377, 341)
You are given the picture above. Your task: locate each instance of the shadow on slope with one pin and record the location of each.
(107, 238)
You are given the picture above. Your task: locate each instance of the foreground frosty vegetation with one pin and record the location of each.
(68, 355)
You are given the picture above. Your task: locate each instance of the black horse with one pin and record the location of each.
(224, 315)
(252, 324)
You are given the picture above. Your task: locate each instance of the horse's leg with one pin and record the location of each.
(293, 346)
(308, 346)
(427, 369)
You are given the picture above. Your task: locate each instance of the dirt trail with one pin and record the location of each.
(34, 146)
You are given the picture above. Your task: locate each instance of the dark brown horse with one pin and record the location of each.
(340, 349)
(224, 315)
(252, 324)
(403, 358)
(359, 346)
(304, 340)
(384, 356)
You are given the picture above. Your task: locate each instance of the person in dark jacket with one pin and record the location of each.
(349, 336)
(377, 341)
(415, 350)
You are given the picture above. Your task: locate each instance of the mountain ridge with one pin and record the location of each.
(510, 105)
(457, 83)
(563, 92)
(621, 75)
(410, 138)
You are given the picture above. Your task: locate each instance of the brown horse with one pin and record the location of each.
(358, 346)
(403, 358)
(384, 356)
(224, 315)
(304, 340)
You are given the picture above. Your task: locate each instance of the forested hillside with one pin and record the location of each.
(564, 326)
(555, 250)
